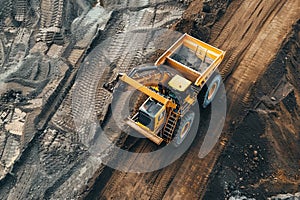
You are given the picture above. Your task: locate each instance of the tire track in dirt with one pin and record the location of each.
(150, 185)
(262, 50)
(2, 53)
(114, 188)
(237, 36)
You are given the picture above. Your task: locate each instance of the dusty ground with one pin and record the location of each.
(50, 55)
(262, 157)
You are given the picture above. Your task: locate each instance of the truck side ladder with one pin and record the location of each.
(170, 126)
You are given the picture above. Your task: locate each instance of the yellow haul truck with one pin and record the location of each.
(168, 90)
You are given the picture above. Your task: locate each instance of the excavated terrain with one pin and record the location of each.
(262, 158)
(55, 56)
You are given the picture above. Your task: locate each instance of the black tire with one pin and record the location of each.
(184, 128)
(213, 86)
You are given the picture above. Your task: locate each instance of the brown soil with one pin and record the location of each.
(262, 158)
(258, 152)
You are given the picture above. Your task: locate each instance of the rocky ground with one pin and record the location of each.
(55, 56)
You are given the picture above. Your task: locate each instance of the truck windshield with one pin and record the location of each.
(144, 118)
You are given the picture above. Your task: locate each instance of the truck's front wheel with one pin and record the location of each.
(184, 128)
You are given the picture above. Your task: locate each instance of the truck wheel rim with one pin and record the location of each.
(185, 129)
(212, 91)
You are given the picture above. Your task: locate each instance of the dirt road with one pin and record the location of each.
(251, 32)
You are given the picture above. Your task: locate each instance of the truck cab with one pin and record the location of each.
(151, 115)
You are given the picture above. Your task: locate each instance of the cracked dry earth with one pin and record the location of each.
(55, 56)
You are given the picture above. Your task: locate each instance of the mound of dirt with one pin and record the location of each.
(200, 16)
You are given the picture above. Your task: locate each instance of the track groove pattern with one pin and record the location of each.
(51, 21)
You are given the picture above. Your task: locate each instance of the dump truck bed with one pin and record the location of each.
(194, 59)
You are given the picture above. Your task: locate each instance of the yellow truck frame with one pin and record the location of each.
(187, 76)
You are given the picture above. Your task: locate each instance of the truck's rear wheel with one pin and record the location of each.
(184, 128)
(212, 89)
